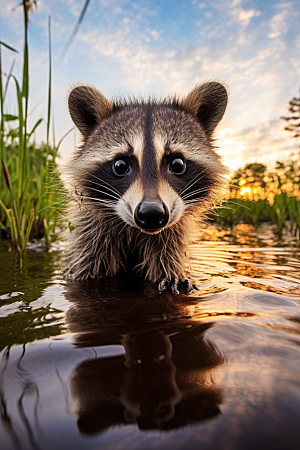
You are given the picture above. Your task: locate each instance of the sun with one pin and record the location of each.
(245, 191)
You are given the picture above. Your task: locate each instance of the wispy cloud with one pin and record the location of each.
(125, 46)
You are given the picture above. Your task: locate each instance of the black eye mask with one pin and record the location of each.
(103, 184)
(195, 183)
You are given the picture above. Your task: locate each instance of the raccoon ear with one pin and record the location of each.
(207, 102)
(88, 107)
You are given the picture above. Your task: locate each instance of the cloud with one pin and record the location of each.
(134, 55)
(267, 141)
(131, 47)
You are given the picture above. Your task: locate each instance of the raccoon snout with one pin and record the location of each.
(151, 215)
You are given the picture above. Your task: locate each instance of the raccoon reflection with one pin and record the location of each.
(143, 177)
(163, 381)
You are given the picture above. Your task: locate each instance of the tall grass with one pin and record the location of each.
(29, 183)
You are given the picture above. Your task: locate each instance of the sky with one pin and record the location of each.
(164, 47)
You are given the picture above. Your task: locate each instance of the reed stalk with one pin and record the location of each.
(29, 182)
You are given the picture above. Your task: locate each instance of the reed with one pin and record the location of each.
(29, 182)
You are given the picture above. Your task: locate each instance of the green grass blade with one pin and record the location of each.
(25, 82)
(9, 215)
(30, 223)
(16, 232)
(8, 78)
(21, 125)
(46, 228)
(2, 113)
(64, 136)
(25, 89)
(49, 82)
(74, 32)
(34, 128)
(9, 47)
(6, 177)
(9, 117)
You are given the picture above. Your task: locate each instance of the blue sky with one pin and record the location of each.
(161, 47)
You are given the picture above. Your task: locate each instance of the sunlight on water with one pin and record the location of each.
(111, 364)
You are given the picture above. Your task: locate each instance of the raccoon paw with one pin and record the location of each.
(175, 284)
(162, 285)
(189, 287)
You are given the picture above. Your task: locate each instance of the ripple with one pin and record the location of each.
(217, 266)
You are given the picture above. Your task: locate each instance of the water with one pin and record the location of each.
(114, 365)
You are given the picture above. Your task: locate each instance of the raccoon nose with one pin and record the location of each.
(151, 215)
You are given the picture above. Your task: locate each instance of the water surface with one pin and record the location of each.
(112, 364)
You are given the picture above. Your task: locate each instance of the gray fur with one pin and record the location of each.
(105, 238)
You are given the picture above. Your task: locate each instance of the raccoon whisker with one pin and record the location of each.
(63, 197)
(97, 190)
(98, 200)
(194, 192)
(61, 194)
(224, 207)
(193, 181)
(60, 202)
(212, 214)
(113, 194)
(113, 189)
(197, 198)
(238, 204)
(101, 192)
(195, 201)
(103, 203)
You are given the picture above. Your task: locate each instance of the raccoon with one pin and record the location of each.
(143, 177)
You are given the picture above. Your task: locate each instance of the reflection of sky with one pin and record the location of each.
(168, 46)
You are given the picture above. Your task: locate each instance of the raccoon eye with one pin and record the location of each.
(178, 165)
(120, 167)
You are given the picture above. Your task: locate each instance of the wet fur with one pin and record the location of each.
(105, 239)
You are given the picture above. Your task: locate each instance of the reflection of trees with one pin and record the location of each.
(29, 387)
(24, 325)
(164, 380)
(28, 325)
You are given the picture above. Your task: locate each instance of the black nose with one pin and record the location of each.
(151, 214)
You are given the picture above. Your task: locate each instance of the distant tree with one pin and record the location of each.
(293, 121)
(251, 174)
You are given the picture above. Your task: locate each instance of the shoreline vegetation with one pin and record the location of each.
(260, 195)
(33, 197)
(31, 191)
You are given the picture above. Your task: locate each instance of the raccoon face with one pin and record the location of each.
(148, 162)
